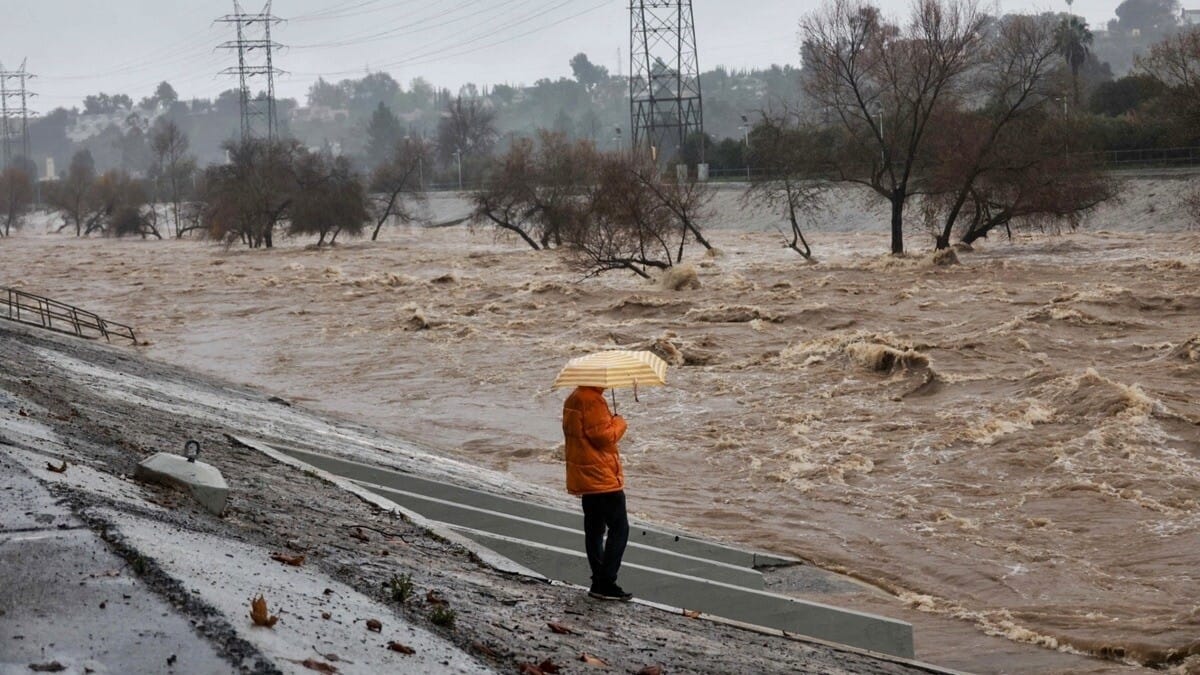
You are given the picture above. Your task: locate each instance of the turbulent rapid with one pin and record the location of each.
(1010, 441)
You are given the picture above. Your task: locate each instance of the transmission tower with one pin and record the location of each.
(248, 41)
(664, 83)
(14, 114)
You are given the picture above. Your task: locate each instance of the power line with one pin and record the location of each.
(454, 50)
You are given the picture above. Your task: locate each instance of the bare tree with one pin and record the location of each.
(72, 195)
(884, 83)
(16, 196)
(686, 199)
(1017, 78)
(400, 184)
(784, 149)
(467, 130)
(122, 207)
(538, 190)
(330, 199)
(1175, 63)
(172, 168)
(247, 198)
(627, 226)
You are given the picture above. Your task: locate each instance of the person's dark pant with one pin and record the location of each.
(602, 513)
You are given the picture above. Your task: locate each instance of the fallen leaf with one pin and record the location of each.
(259, 614)
(435, 598)
(593, 660)
(293, 560)
(359, 535)
(319, 666)
(530, 669)
(57, 469)
(374, 625)
(650, 670)
(326, 615)
(484, 649)
(691, 614)
(402, 648)
(52, 667)
(22, 413)
(548, 667)
(559, 628)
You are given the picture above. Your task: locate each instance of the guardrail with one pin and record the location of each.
(36, 310)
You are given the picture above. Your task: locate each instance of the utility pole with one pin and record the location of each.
(666, 106)
(14, 117)
(248, 68)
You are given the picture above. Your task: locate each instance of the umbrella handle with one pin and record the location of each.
(635, 396)
(613, 392)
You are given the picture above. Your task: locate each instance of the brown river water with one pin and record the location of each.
(1010, 444)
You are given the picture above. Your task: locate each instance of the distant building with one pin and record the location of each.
(1191, 17)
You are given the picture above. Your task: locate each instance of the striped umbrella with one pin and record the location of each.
(613, 370)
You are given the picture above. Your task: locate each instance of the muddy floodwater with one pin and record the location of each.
(1010, 444)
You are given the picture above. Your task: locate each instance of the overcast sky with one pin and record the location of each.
(80, 47)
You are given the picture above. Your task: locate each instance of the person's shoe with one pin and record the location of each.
(610, 592)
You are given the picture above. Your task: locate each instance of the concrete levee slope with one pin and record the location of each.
(662, 567)
(640, 533)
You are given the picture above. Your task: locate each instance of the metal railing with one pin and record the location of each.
(36, 310)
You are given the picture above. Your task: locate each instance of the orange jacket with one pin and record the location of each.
(592, 432)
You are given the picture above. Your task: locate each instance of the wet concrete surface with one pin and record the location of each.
(66, 599)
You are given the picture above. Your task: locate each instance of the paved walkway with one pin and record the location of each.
(65, 598)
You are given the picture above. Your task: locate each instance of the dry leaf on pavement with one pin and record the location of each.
(593, 660)
(548, 667)
(259, 614)
(651, 670)
(57, 469)
(293, 560)
(435, 598)
(319, 666)
(691, 614)
(529, 669)
(484, 649)
(402, 648)
(559, 628)
(374, 625)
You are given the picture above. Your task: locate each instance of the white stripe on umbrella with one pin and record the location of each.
(613, 369)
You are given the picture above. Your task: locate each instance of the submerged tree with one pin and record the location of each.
(400, 184)
(72, 195)
(788, 151)
(247, 198)
(330, 199)
(882, 84)
(538, 189)
(16, 196)
(173, 168)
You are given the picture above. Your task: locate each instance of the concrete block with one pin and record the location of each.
(204, 481)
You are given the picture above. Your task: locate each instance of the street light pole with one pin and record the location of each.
(746, 139)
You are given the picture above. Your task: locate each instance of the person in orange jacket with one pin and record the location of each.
(594, 474)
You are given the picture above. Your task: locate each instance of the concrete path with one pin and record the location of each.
(662, 567)
(64, 598)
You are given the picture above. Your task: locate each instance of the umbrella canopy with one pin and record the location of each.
(613, 369)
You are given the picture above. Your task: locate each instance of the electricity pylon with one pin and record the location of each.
(253, 109)
(14, 116)
(664, 84)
